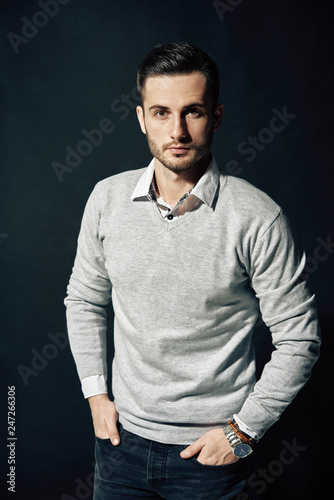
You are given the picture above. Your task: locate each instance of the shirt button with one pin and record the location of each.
(170, 217)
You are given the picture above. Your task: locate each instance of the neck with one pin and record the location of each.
(173, 185)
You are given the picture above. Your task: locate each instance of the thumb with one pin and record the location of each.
(192, 449)
(113, 434)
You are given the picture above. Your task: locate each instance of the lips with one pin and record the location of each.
(178, 150)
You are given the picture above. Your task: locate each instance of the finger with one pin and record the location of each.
(100, 429)
(102, 435)
(192, 449)
(113, 434)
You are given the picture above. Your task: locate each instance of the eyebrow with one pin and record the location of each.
(188, 106)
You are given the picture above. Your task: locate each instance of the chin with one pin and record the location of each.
(178, 167)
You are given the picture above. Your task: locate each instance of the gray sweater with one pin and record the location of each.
(186, 295)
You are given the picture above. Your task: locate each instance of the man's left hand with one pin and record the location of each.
(213, 449)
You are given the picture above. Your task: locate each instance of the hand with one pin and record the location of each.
(213, 449)
(105, 418)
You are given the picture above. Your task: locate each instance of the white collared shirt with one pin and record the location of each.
(203, 191)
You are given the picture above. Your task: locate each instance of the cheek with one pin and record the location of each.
(201, 132)
(157, 132)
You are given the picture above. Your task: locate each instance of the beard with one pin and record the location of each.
(196, 155)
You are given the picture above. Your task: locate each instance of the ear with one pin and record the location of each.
(140, 116)
(217, 116)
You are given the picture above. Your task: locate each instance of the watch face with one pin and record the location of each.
(242, 450)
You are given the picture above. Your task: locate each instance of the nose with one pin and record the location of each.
(178, 128)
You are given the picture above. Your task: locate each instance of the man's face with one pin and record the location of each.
(178, 119)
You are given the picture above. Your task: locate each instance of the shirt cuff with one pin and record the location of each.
(244, 428)
(94, 385)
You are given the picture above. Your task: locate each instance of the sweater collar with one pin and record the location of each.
(205, 189)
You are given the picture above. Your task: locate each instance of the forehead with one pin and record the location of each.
(175, 89)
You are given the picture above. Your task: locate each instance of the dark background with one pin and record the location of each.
(66, 76)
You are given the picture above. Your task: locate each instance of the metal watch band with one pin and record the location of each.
(239, 448)
(231, 436)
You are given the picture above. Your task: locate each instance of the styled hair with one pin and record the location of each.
(177, 58)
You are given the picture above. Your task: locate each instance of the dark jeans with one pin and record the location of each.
(140, 468)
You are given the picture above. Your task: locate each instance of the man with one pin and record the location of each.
(190, 256)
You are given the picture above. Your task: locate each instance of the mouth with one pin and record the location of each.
(178, 150)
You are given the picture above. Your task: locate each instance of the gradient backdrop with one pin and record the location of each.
(68, 69)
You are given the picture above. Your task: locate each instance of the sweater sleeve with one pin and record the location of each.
(88, 294)
(288, 309)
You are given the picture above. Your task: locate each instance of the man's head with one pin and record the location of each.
(179, 58)
(179, 110)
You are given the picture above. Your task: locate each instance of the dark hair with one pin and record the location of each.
(176, 58)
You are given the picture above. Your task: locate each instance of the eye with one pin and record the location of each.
(193, 112)
(161, 113)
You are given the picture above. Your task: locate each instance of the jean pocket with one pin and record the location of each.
(226, 467)
(102, 440)
(106, 440)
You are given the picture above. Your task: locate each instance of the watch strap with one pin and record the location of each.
(231, 436)
(237, 445)
(245, 438)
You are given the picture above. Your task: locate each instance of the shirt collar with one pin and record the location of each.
(205, 189)
(143, 186)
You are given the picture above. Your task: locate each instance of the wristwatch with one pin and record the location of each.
(241, 444)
